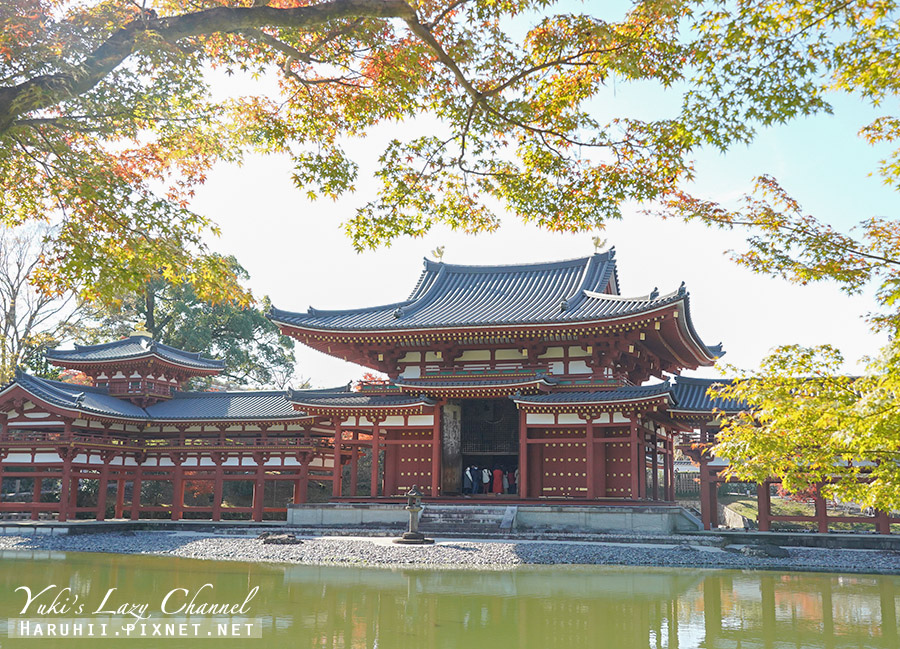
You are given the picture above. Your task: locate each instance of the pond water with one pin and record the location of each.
(539, 607)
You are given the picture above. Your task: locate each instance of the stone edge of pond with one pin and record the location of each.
(621, 554)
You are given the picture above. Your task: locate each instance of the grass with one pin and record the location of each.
(746, 506)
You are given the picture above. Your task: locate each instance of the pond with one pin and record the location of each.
(536, 607)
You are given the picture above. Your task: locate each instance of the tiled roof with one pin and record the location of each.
(131, 348)
(626, 393)
(225, 405)
(78, 397)
(343, 397)
(449, 295)
(475, 381)
(691, 395)
(238, 406)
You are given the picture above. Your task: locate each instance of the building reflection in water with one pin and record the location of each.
(540, 607)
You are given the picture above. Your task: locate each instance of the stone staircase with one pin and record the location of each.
(467, 519)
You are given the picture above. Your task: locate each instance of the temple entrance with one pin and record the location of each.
(489, 426)
(489, 441)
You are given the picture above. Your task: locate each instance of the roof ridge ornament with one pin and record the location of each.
(654, 293)
(682, 290)
(398, 312)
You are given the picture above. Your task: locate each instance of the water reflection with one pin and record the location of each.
(544, 608)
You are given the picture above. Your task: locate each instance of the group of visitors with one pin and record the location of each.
(481, 480)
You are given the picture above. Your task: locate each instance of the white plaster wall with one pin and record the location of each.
(411, 372)
(579, 367)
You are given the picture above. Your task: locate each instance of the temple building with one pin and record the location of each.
(537, 369)
(134, 426)
(540, 377)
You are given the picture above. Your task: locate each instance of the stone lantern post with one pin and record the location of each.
(414, 506)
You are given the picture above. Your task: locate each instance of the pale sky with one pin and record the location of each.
(297, 254)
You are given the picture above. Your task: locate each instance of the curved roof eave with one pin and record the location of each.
(598, 271)
(686, 326)
(482, 326)
(140, 347)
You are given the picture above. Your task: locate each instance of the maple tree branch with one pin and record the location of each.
(801, 231)
(425, 35)
(48, 90)
(566, 60)
(446, 12)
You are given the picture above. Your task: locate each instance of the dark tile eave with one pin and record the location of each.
(481, 325)
(207, 364)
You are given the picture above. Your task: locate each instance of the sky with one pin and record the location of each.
(296, 252)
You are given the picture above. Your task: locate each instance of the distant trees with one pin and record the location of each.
(31, 320)
(254, 351)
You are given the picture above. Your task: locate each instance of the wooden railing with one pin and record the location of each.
(28, 438)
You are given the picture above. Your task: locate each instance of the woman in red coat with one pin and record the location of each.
(498, 481)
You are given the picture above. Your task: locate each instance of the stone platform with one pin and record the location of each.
(502, 517)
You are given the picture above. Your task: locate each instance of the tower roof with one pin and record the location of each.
(522, 302)
(448, 295)
(135, 347)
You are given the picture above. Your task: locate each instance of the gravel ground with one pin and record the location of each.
(456, 553)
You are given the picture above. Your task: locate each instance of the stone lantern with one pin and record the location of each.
(414, 506)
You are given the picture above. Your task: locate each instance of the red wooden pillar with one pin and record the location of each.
(36, 490)
(391, 467)
(65, 486)
(354, 463)
(103, 490)
(600, 460)
(301, 485)
(704, 495)
(218, 488)
(763, 505)
(821, 512)
(437, 451)
(376, 454)
(670, 470)
(136, 495)
(637, 460)
(336, 480)
(882, 522)
(177, 491)
(3, 426)
(259, 491)
(654, 466)
(523, 455)
(591, 469)
(713, 498)
(120, 496)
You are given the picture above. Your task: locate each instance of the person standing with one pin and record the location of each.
(498, 481)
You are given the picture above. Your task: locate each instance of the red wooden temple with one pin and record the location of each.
(537, 368)
(134, 427)
(542, 370)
